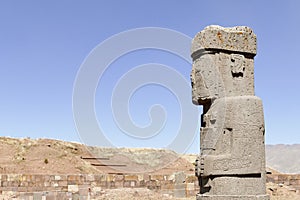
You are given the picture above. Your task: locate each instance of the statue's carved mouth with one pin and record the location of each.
(237, 75)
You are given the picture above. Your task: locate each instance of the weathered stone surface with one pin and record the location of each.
(73, 188)
(238, 39)
(232, 160)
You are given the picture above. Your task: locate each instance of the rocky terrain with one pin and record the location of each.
(46, 156)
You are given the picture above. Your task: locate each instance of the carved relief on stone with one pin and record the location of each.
(237, 65)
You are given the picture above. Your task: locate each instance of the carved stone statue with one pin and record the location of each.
(232, 160)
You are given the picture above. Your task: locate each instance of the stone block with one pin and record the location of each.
(102, 177)
(131, 178)
(37, 196)
(132, 183)
(51, 196)
(127, 184)
(57, 178)
(14, 183)
(54, 184)
(73, 188)
(90, 177)
(97, 177)
(71, 178)
(64, 188)
(179, 177)
(26, 196)
(14, 177)
(119, 184)
(179, 191)
(3, 177)
(4, 184)
(111, 184)
(110, 177)
(152, 185)
(52, 177)
(80, 179)
(140, 177)
(47, 184)
(62, 195)
(139, 183)
(83, 190)
(235, 39)
(62, 183)
(46, 178)
(22, 189)
(167, 185)
(75, 197)
(39, 178)
(157, 177)
(146, 177)
(171, 177)
(102, 184)
(119, 177)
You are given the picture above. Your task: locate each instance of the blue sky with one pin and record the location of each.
(43, 45)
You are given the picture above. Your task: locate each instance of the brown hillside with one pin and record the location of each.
(46, 156)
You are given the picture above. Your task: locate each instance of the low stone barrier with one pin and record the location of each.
(292, 180)
(26, 186)
(89, 186)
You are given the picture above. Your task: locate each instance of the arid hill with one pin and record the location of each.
(46, 156)
(284, 158)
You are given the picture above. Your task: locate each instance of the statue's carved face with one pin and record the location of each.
(205, 78)
(216, 75)
(200, 92)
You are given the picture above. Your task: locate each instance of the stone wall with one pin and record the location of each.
(27, 186)
(90, 186)
(292, 180)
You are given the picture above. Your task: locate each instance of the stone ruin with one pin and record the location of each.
(231, 164)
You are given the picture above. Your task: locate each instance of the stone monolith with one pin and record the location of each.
(231, 164)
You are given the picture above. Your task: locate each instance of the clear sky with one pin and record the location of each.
(44, 43)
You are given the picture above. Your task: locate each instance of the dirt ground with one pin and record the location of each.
(276, 193)
(136, 194)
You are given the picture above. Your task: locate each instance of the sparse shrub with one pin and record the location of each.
(46, 161)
